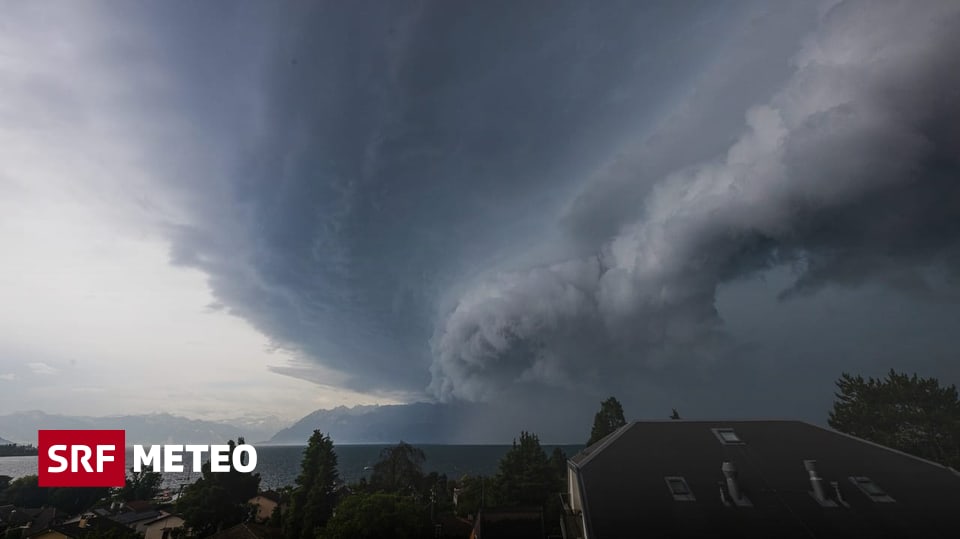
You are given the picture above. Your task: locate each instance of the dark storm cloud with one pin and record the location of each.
(397, 152)
(436, 195)
(848, 174)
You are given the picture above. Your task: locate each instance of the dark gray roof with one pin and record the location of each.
(626, 494)
(136, 516)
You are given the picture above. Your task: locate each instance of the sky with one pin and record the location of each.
(246, 209)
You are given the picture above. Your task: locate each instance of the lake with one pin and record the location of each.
(279, 465)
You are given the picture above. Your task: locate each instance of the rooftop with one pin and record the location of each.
(666, 475)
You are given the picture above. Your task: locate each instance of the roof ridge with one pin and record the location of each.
(881, 446)
(603, 444)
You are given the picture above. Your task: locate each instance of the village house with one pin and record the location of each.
(265, 503)
(162, 527)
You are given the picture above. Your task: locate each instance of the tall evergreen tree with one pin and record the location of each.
(558, 461)
(912, 414)
(608, 419)
(313, 499)
(525, 475)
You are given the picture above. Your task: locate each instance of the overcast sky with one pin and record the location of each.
(225, 209)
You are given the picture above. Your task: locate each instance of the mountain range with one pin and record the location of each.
(22, 427)
(419, 422)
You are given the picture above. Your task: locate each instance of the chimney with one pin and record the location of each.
(816, 482)
(836, 491)
(730, 472)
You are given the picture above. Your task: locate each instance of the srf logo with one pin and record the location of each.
(81, 458)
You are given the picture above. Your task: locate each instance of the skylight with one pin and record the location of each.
(679, 489)
(678, 485)
(869, 486)
(727, 436)
(871, 489)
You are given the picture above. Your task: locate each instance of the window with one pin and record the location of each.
(727, 436)
(679, 489)
(871, 489)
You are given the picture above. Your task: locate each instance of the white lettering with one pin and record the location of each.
(52, 453)
(219, 457)
(84, 460)
(172, 458)
(251, 458)
(243, 457)
(101, 457)
(150, 458)
(197, 451)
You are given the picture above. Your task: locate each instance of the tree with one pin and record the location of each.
(608, 419)
(142, 485)
(26, 492)
(218, 500)
(313, 499)
(558, 461)
(912, 414)
(376, 515)
(470, 494)
(276, 517)
(400, 469)
(525, 475)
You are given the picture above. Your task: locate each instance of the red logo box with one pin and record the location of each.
(81, 458)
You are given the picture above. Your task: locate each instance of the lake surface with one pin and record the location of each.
(280, 465)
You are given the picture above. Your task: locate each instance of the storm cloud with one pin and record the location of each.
(847, 174)
(435, 200)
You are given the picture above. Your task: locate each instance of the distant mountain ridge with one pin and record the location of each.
(22, 427)
(4, 441)
(420, 422)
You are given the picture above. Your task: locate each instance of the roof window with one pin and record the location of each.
(679, 489)
(871, 489)
(727, 436)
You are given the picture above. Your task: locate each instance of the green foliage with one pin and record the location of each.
(558, 462)
(25, 492)
(4, 483)
(313, 499)
(400, 469)
(218, 500)
(912, 414)
(15, 450)
(142, 485)
(276, 517)
(471, 495)
(608, 419)
(377, 515)
(526, 476)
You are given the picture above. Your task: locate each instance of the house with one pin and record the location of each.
(754, 479)
(265, 502)
(137, 506)
(162, 527)
(136, 520)
(33, 521)
(89, 525)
